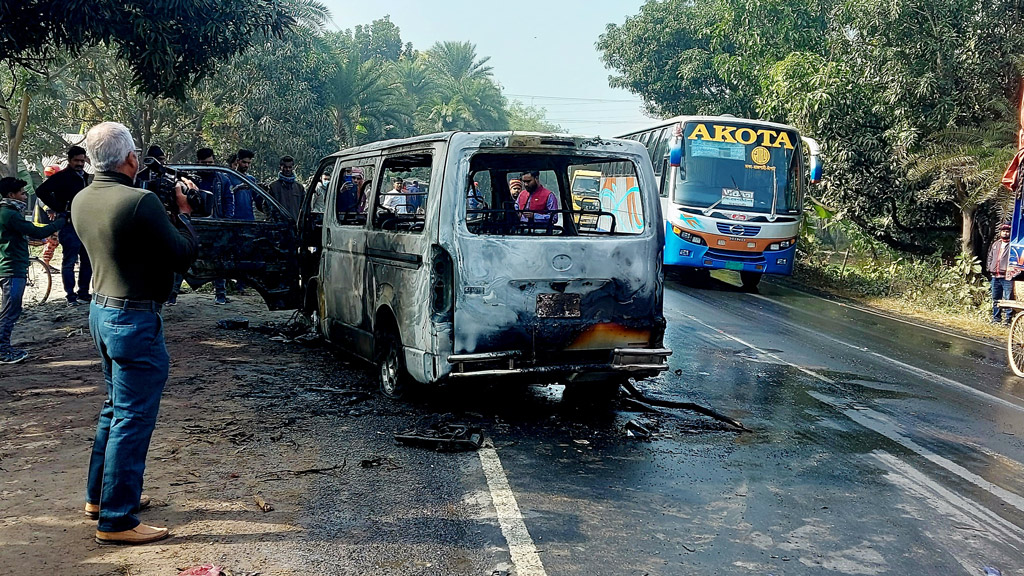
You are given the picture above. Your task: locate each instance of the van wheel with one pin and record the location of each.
(392, 376)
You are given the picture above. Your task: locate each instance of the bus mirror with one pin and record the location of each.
(675, 152)
(815, 158)
(816, 169)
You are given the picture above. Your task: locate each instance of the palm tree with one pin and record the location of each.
(487, 106)
(365, 103)
(445, 112)
(414, 76)
(965, 165)
(456, 62)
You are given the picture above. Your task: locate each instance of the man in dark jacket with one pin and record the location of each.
(14, 259)
(135, 249)
(57, 192)
(286, 190)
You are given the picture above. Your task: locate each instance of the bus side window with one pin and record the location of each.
(644, 138)
(653, 144)
(661, 152)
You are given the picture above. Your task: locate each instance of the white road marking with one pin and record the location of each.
(520, 544)
(883, 426)
(966, 520)
(879, 423)
(902, 365)
(881, 315)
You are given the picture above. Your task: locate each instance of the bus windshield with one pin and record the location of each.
(736, 166)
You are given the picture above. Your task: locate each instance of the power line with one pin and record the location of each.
(538, 97)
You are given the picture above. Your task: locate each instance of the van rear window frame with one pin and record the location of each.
(536, 161)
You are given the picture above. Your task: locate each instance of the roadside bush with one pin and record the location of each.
(925, 282)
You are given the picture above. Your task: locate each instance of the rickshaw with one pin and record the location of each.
(1013, 180)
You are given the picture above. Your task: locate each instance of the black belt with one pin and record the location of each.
(126, 304)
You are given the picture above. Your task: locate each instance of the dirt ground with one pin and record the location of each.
(221, 439)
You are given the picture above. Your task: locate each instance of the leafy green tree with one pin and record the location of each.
(867, 78)
(466, 97)
(168, 45)
(530, 118)
(380, 39)
(457, 62)
(365, 101)
(964, 166)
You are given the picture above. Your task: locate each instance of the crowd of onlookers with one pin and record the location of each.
(49, 202)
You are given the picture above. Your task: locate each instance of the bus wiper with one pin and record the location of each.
(775, 196)
(707, 211)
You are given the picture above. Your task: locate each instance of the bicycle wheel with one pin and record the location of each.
(39, 282)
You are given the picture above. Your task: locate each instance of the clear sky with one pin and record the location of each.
(542, 51)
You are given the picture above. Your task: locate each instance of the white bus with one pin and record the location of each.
(732, 191)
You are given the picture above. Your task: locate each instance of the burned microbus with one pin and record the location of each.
(463, 256)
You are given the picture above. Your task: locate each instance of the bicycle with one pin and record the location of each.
(39, 280)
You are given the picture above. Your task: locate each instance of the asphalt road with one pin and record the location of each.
(877, 447)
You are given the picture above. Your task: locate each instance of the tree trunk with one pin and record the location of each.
(14, 130)
(966, 233)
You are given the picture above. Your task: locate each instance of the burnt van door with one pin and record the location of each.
(256, 246)
(310, 221)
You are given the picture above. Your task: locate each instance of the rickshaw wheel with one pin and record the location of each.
(1015, 345)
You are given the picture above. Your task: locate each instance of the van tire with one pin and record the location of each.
(391, 373)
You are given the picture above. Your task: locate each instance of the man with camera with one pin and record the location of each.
(136, 249)
(220, 204)
(57, 192)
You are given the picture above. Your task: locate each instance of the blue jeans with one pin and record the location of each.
(73, 251)
(135, 366)
(1002, 289)
(12, 291)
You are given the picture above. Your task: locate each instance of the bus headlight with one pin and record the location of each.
(692, 238)
(783, 244)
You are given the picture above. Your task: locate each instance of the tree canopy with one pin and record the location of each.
(168, 46)
(306, 93)
(872, 80)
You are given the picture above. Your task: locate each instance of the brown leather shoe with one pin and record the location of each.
(141, 534)
(93, 510)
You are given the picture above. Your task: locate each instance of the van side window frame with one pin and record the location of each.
(379, 220)
(349, 164)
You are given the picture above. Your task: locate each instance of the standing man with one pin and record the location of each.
(14, 234)
(136, 250)
(1002, 282)
(395, 200)
(536, 204)
(145, 174)
(223, 206)
(286, 190)
(217, 184)
(243, 194)
(319, 202)
(57, 192)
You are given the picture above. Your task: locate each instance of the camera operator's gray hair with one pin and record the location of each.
(108, 144)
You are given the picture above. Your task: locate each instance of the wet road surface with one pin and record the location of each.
(877, 447)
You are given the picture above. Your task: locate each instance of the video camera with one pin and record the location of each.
(163, 181)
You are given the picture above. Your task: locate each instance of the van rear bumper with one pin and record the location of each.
(631, 361)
